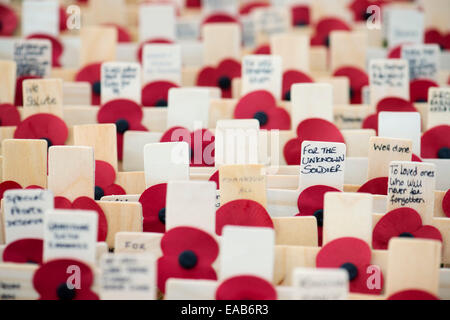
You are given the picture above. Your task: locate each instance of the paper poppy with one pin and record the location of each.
(396, 52)
(8, 20)
(57, 47)
(389, 104)
(18, 99)
(24, 251)
(401, 222)
(105, 176)
(123, 36)
(242, 212)
(221, 76)
(150, 41)
(219, 17)
(310, 203)
(435, 143)
(9, 115)
(215, 178)
(418, 89)
(446, 203)
(201, 144)
(62, 19)
(323, 29)
(300, 15)
(375, 186)
(359, 9)
(312, 129)
(246, 288)
(187, 253)
(44, 126)
(193, 4)
(263, 49)
(125, 114)
(86, 203)
(53, 280)
(262, 106)
(415, 158)
(156, 93)
(153, 201)
(10, 185)
(352, 255)
(92, 73)
(434, 36)
(358, 80)
(247, 8)
(412, 295)
(291, 77)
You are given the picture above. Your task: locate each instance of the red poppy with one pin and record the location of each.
(313, 129)
(8, 20)
(9, 115)
(262, 106)
(193, 4)
(92, 73)
(125, 114)
(57, 46)
(358, 80)
(52, 281)
(215, 178)
(246, 288)
(323, 29)
(153, 201)
(105, 176)
(10, 185)
(86, 203)
(156, 93)
(62, 19)
(300, 15)
(188, 253)
(352, 255)
(418, 89)
(396, 52)
(201, 144)
(43, 126)
(123, 36)
(446, 203)
(412, 294)
(222, 76)
(435, 36)
(401, 222)
(156, 40)
(24, 251)
(389, 104)
(291, 77)
(248, 7)
(359, 9)
(18, 99)
(220, 18)
(246, 213)
(263, 49)
(435, 143)
(310, 203)
(375, 186)
(415, 158)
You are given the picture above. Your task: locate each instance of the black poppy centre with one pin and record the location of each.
(351, 270)
(187, 259)
(262, 117)
(122, 125)
(319, 217)
(49, 142)
(444, 153)
(161, 103)
(406, 235)
(65, 293)
(224, 82)
(162, 215)
(99, 193)
(97, 88)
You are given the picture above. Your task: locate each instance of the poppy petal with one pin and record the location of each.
(418, 89)
(176, 134)
(292, 151)
(57, 46)
(24, 251)
(198, 156)
(311, 199)
(219, 18)
(92, 73)
(291, 77)
(123, 36)
(358, 80)
(300, 15)
(18, 99)
(253, 102)
(428, 232)
(43, 126)
(120, 109)
(435, 143)
(51, 275)
(371, 122)
(153, 200)
(446, 203)
(9, 115)
(180, 239)
(85, 203)
(263, 49)
(412, 295)
(246, 288)
(62, 203)
(156, 94)
(247, 213)
(8, 19)
(393, 224)
(278, 119)
(230, 68)
(323, 29)
(215, 178)
(207, 77)
(375, 186)
(105, 174)
(247, 8)
(114, 190)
